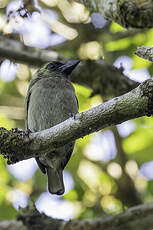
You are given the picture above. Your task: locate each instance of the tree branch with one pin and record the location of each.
(16, 145)
(16, 51)
(137, 218)
(128, 13)
(102, 77)
(12, 225)
(128, 194)
(145, 52)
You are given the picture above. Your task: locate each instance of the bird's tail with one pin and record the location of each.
(55, 181)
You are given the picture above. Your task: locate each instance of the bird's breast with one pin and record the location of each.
(51, 102)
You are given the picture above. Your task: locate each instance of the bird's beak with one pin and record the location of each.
(68, 67)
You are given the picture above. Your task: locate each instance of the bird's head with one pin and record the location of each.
(54, 69)
(58, 67)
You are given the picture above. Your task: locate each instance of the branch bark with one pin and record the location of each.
(128, 13)
(16, 145)
(145, 52)
(136, 218)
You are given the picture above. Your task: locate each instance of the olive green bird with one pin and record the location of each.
(50, 100)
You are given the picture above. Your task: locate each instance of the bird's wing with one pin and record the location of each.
(41, 166)
(32, 82)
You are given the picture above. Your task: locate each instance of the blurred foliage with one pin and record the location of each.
(98, 180)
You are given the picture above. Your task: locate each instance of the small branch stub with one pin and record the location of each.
(147, 89)
(145, 52)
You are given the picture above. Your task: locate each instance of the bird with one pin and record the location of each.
(50, 100)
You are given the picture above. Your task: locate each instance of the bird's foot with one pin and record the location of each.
(73, 115)
(28, 131)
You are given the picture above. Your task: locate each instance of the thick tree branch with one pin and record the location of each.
(16, 145)
(128, 13)
(136, 218)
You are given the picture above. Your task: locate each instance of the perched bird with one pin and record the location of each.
(50, 100)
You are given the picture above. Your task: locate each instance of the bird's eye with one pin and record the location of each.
(54, 65)
(50, 66)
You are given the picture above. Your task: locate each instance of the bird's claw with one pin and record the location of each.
(28, 131)
(73, 115)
